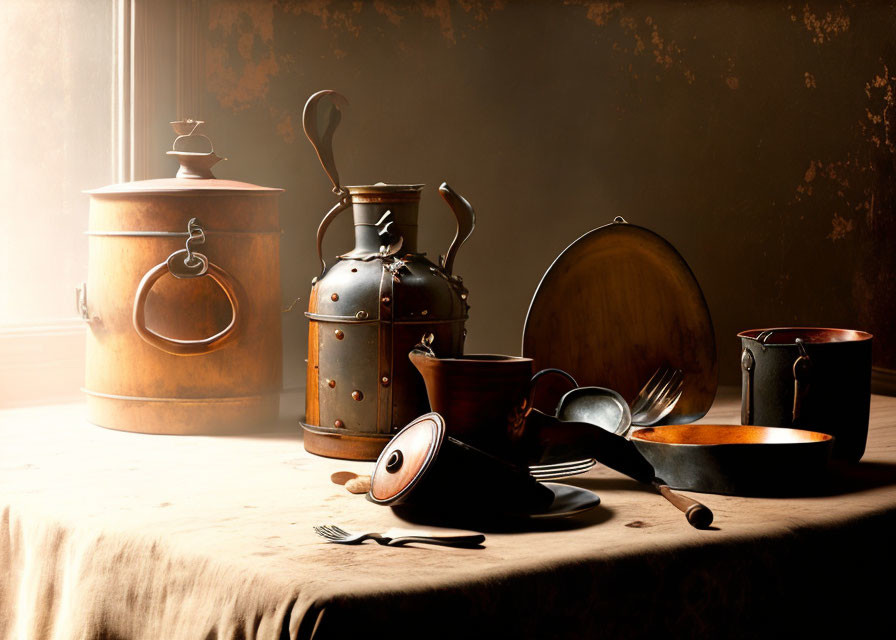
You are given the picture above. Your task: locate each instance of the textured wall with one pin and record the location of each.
(758, 138)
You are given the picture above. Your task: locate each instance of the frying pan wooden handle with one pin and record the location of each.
(698, 514)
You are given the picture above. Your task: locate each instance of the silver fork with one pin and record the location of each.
(658, 397)
(561, 469)
(392, 537)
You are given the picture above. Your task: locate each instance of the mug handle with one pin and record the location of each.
(533, 385)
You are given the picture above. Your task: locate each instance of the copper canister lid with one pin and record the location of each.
(404, 461)
(193, 176)
(180, 186)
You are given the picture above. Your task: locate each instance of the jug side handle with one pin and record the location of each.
(466, 220)
(338, 208)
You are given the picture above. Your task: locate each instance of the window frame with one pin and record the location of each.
(156, 58)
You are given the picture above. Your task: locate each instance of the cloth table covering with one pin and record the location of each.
(115, 535)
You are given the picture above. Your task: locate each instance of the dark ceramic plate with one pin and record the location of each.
(568, 501)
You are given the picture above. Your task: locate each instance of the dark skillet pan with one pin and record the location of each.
(736, 460)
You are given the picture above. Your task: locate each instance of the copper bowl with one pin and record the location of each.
(737, 460)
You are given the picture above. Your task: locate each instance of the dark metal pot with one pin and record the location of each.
(810, 378)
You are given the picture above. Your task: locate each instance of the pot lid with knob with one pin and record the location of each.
(194, 174)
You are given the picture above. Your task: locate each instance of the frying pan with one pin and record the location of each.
(736, 460)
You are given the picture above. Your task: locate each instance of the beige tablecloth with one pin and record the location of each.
(106, 534)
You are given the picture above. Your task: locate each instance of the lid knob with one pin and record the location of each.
(193, 164)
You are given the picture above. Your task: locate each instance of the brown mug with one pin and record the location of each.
(484, 399)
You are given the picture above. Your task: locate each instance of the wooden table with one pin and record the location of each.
(106, 534)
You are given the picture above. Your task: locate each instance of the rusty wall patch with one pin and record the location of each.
(239, 58)
(243, 57)
(823, 28)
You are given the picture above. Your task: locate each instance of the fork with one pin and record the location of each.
(393, 537)
(544, 472)
(658, 397)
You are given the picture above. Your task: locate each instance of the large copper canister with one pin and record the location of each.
(183, 303)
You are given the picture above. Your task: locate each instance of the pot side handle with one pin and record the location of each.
(802, 369)
(747, 364)
(187, 347)
(466, 221)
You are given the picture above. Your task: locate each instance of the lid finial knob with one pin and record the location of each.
(193, 164)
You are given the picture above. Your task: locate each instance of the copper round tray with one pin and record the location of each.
(618, 303)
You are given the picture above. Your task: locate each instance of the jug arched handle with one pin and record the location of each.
(466, 220)
(338, 208)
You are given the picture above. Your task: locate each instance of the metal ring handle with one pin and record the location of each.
(187, 347)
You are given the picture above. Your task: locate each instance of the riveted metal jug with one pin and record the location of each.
(369, 309)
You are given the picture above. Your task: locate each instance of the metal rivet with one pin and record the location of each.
(339, 335)
(386, 300)
(334, 297)
(357, 395)
(331, 383)
(385, 381)
(424, 312)
(361, 315)
(393, 464)
(339, 424)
